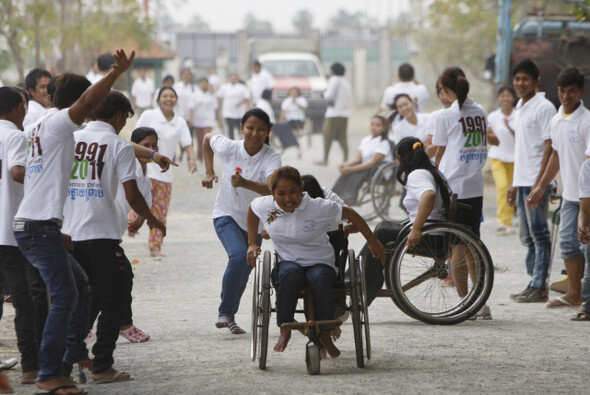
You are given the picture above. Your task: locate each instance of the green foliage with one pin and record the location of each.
(302, 20)
(582, 11)
(252, 24)
(5, 59)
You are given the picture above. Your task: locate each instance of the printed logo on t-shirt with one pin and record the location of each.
(87, 171)
(574, 137)
(476, 139)
(34, 153)
(261, 177)
(309, 225)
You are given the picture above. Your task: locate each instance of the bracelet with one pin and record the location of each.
(152, 155)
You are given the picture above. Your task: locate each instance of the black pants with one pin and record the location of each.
(348, 186)
(103, 262)
(14, 268)
(231, 125)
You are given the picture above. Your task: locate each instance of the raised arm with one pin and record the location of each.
(145, 153)
(375, 245)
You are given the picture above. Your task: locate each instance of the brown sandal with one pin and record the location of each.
(581, 315)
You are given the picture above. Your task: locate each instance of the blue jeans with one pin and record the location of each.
(67, 322)
(586, 282)
(292, 279)
(570, 247)
(235, 278)
(534, 234)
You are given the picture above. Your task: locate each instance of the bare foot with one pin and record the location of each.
(283, 340)
(326, 341)
(156, 254)
(51, 385)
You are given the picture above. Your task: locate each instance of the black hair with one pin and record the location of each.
(395, 112)
(105, 61)
(267, 94)
(384, 123)
(257, 63)
(260, 114)
(33, 76)
(168, 77)
(112, 104)
(141, 133)
(454, 79)
(9, 99)
(405, 72)
(337, 69)
(287, 173)
(527, 66)
(68, 88)
(23, 92)
(162, 89)
(413, 156)
(570, 76)
(51, 87)
(509, 89)
(312, 187)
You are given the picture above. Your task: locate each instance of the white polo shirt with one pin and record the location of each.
(142, 91)
(430, 124)
(259, 82)
(34, 112)
(570, 137)
(371, 145)
(102, 162)
(267, 108)
(50, 158)
(184, 93)
(417, 92)
(123, 208)
(300, 236)
(13, 152)
(339, 91)
(532, 129)
(403, 129)
(170, 134)
(232, 95)
(584, 180)
(420, 181)
(505, 150)
(205, 105)
(292, 110)
(464, 134)
(258, 168)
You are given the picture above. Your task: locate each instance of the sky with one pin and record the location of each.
(228, 15)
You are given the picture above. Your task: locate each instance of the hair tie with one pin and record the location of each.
(416, 145)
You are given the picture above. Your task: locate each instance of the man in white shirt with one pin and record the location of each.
(213, 81)
(103, 65)
(36, 85)
(406, 84)
(142, 92)
(261, 80)
(339, 95)
(532, 152)
(570, 136)
(102, 161)
(234, 96)
(38, 221)
(184, 91)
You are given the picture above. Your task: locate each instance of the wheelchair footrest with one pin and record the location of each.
(303, 327)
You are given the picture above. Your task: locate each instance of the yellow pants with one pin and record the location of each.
(502, 173)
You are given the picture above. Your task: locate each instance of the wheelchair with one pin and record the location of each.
(349, 291)
(386, 194)
(415, 277)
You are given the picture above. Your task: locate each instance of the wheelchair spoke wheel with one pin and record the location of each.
(255, 314)
(386, 194)
(419, 277)
(312, 358)
(365, 310)
(364, 203)
(265, 309)
(355, 308)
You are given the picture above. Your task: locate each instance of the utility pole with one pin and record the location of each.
(503, 42)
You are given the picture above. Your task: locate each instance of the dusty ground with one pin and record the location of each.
(524, 349)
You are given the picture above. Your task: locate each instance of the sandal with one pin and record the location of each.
(581, 315)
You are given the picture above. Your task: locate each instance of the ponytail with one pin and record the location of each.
(454, 79)
(462, 90)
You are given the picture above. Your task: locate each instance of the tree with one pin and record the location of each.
(252, 24)
(197, 23)
(582, 11)
(303, 20)
(344, 20)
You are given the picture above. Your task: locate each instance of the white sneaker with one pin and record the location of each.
(500, 228)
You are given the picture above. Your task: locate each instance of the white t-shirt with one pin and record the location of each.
(464, 134)
(102, 162)
(259, 82)
(403, 129)
(232, 201)
(35, 112)
(419, 181)
(431, 122)
(184, 93)
(50, 158)
(170, 134)
(570, 137)
(532, 129)
(13, 152)
(122, 205)
(205, 106)
(371, 145)
(232, 95)
(292, 110)
(505, 150)
(417, 92)
(300, 236)
(213, 81)
(329, 195)
(584, 180)
(267, 108)
(339, 91)
(142, 91)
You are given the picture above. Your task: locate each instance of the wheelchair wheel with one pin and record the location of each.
(365, 309)
(312, 358)
(386, 194)
(255, 314)
(355, 308)
(364, 203)
(265, 309)
(416, 275)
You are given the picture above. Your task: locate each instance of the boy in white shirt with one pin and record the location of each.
(142, 92)
(532, 151)
(583, 314)
(570, 136)
(261, 80)
(36, 85)
(406, 84)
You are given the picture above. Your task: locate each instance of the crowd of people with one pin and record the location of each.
(71, 187)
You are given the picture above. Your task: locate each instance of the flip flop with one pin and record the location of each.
(581, 316)
(560, 302)
(61, 387)
(115, 379)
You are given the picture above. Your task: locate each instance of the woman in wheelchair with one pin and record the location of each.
(374, 150)
(427, 198)
(298, 225)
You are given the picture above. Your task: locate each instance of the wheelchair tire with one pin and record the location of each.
(364, 204)
(265, 308)
(255, 314)
(312, 358)
(386, 193)
(355, 308)
(365, 310)
(416, 275)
